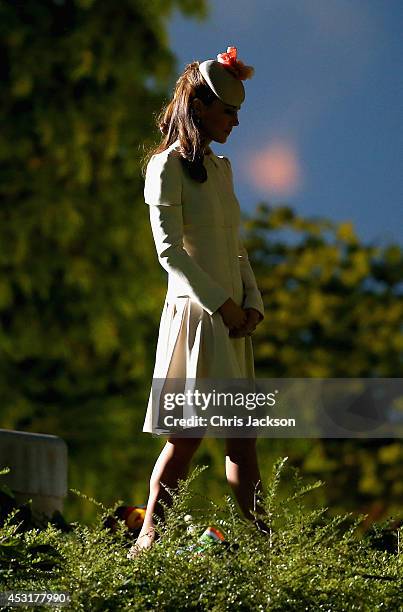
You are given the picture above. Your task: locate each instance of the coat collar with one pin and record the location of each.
(209, 155)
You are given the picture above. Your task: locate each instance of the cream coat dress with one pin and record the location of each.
(196, 233)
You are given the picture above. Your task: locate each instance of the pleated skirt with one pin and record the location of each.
(193, 345)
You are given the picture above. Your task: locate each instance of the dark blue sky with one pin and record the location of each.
(321, 126)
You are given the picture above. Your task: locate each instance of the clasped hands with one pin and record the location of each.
(253, 318)
(240, 321)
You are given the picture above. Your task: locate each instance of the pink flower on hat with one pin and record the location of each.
(236, 67)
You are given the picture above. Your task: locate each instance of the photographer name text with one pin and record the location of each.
(221, 421)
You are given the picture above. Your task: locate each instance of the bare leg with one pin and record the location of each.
(171, 465)
(242, 470)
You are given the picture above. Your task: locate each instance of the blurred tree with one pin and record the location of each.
(334, 309)
(80, 288)
(334, 305)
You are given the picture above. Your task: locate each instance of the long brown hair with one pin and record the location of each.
(177, 120)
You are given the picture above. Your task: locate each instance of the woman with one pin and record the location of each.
(213, 303)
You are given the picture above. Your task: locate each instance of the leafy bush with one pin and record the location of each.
(307, 561)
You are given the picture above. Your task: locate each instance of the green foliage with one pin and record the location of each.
(334, 306)
(307, 561)
(334, 309)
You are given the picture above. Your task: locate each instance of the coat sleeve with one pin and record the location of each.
(253, 297)
(163, 194)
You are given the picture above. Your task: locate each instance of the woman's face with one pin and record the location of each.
(217, 119)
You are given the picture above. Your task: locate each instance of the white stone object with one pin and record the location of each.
(38, 469)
